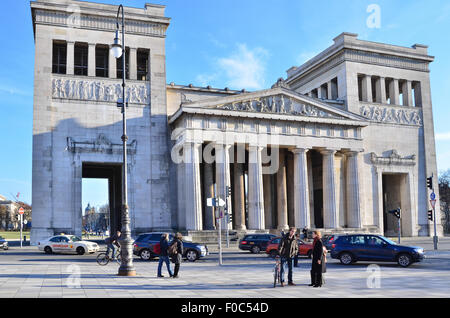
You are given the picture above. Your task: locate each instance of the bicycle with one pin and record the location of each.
(277, 271)
(103, 259)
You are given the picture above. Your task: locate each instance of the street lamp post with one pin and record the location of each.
(126, 268)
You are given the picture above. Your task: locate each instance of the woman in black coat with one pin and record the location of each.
(177, 258)
(318, 261)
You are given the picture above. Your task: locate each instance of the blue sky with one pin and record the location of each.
(226, 43)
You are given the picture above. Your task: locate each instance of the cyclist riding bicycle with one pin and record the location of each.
(111, 242)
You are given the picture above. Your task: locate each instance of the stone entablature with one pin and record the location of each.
(100, 145)
(393, 159)
(99, 90)
(388, 114)
(94, 16)
(348, 48)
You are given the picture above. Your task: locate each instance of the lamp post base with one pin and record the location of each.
(128, 273)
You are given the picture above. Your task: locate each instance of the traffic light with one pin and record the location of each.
(430, 215)
(397, 213)
(430, 183)
(230, 218)
(228, 191)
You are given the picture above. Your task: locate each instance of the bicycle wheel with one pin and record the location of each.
(119, 259)
(102, 259)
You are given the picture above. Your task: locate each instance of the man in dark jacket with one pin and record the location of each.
(163, 255)
(287, 249)
(111, 242)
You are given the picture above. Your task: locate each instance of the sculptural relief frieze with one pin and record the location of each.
(390, 115)
(278, 105)
(100, 91)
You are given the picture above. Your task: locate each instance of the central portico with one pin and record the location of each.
(289, 159)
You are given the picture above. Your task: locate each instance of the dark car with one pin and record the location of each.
(328, 241)
(146, 247)
(3, 243)
(255, 243)
(369, 247)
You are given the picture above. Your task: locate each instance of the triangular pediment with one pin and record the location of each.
(275, 101)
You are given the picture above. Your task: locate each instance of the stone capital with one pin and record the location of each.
(299, 150)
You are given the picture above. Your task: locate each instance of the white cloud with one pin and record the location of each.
(243, 68)
(443, 136)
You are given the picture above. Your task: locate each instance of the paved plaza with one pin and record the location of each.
(29, 273)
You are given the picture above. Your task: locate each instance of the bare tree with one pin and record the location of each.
(444, 196)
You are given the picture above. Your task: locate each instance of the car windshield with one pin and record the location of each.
(388, 240)
(75, 239)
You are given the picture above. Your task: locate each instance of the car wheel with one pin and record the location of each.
(309, 254)
(273, 253)
(404, 260)
(48, 250)
(145, 255)
(80, 250)
(346, 258)
(256, 249)
(191, 255)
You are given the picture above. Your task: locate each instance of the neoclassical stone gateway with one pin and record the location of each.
(339, 142)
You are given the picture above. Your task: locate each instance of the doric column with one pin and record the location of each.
(367, 88)
(394, 91)
(193, 187)
(353, 191)
(267, 181)
(255, 189)
(112, 65)
(239, 196)
(311, 191)
(301, 189)
(329, 90)
(70, 58)
(208, 190)
(319, 92)
(91, 59)
(407, 93)
(381, 90)
(340, 189)
(223, 178)
(282, 193)
(133, 64)
(329, 190)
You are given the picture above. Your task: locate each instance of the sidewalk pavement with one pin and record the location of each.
(27, 274)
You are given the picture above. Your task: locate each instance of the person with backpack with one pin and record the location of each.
(164, 255)
(176, 253)
(111, 242)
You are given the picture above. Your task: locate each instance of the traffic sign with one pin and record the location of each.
(217, 202)
(433, 196)
(21, 211)
(433, 203)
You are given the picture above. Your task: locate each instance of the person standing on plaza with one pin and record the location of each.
(287, 249)
(176, 253)
(297, 236)
(112, 243)
(163, 255)
(317, 260)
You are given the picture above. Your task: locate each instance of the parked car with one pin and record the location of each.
(364, 247)
(255, 243)
(328, 241)
(304, 249)
(3, 243)
(146, 246)
(67, 244)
